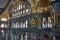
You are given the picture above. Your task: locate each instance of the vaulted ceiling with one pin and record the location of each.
(3, 5)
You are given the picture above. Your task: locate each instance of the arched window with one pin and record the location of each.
(49, 17)
(21, 8)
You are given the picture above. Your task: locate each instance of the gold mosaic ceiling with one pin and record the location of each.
(5, 14)
(42, 3)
